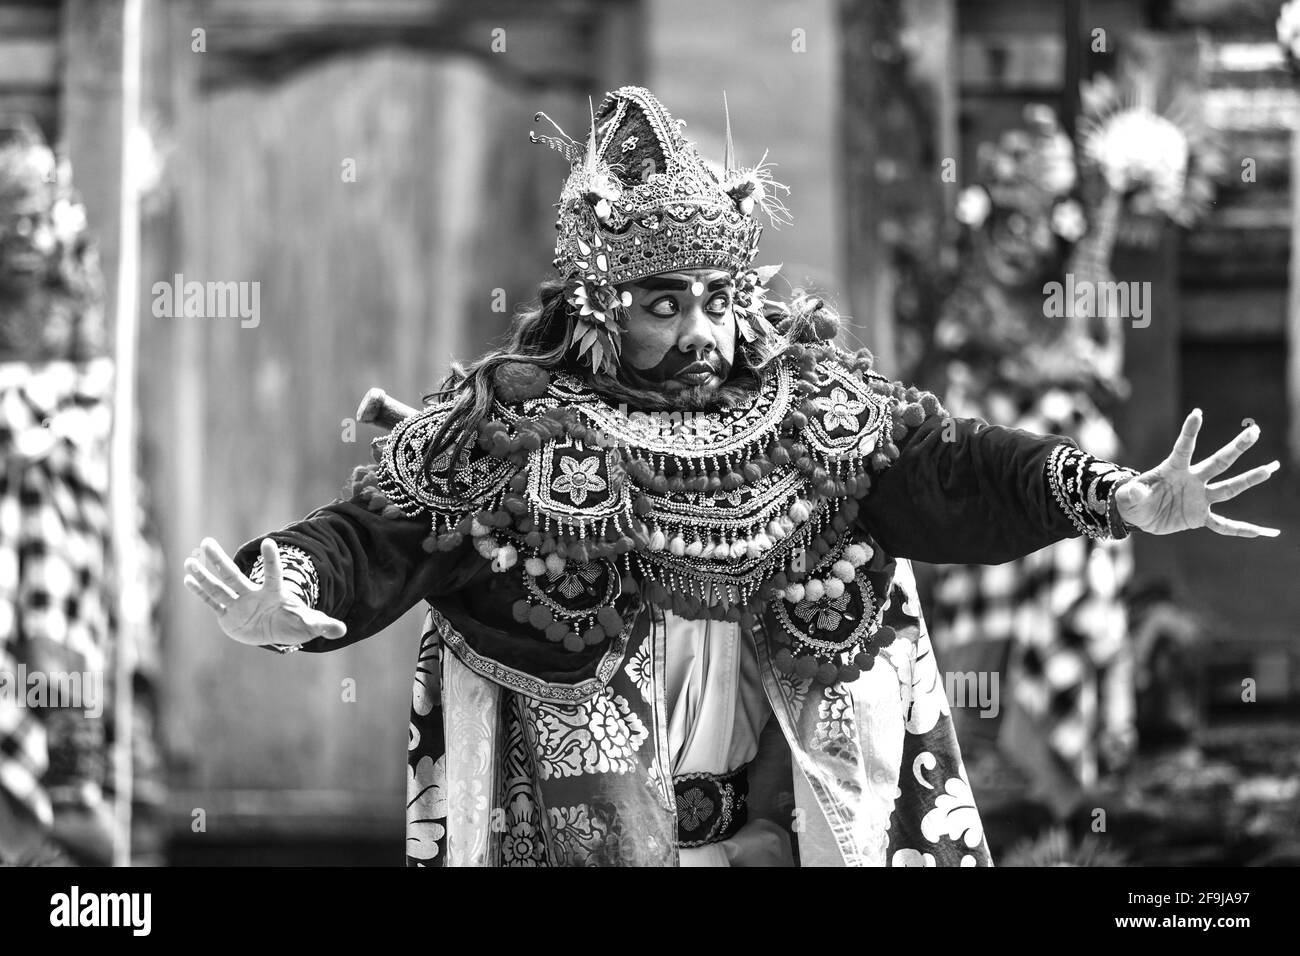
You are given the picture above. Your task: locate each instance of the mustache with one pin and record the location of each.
(674, 363)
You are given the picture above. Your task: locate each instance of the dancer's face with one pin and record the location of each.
(681, 331)
(26, 237)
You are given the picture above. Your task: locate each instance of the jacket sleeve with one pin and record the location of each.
(363, 567)
(962, 491)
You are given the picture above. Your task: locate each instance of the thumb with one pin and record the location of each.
(1131, 495)
(322, 625)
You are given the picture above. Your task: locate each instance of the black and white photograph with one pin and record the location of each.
(650, 433)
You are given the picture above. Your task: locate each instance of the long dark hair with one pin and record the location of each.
(541, 334)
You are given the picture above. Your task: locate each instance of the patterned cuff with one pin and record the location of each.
(1084, 488)
(299, 573)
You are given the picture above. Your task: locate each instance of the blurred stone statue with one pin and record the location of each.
(57, 590)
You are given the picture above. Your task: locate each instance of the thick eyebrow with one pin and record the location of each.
(657, 283)
(660, 283)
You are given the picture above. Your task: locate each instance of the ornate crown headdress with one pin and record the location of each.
(640, 200)
(28, 167)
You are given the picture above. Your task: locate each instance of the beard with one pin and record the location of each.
(741, 384)
(697, 398)
(685, 397)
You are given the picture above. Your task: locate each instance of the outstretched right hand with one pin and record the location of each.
(270, 613)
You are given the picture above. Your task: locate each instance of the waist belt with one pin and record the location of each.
(711, 807)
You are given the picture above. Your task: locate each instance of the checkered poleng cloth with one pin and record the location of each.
(1060, 614)
(55, 596)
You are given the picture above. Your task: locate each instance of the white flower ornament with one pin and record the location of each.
(841, 410)
(578, 479)
(601, 310)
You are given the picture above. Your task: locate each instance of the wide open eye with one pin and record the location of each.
(665, 306)
(718, 304)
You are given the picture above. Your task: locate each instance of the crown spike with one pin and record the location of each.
(539, 116)
(591, 138)
(728, 157)
(568, 147)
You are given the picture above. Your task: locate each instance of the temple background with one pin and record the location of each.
(256, 109)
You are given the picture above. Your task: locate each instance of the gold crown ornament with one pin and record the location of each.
(640, 200)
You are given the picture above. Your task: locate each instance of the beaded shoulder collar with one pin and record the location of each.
(710, 514)
(586, 462)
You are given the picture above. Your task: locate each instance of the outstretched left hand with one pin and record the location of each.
(1176, 495)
